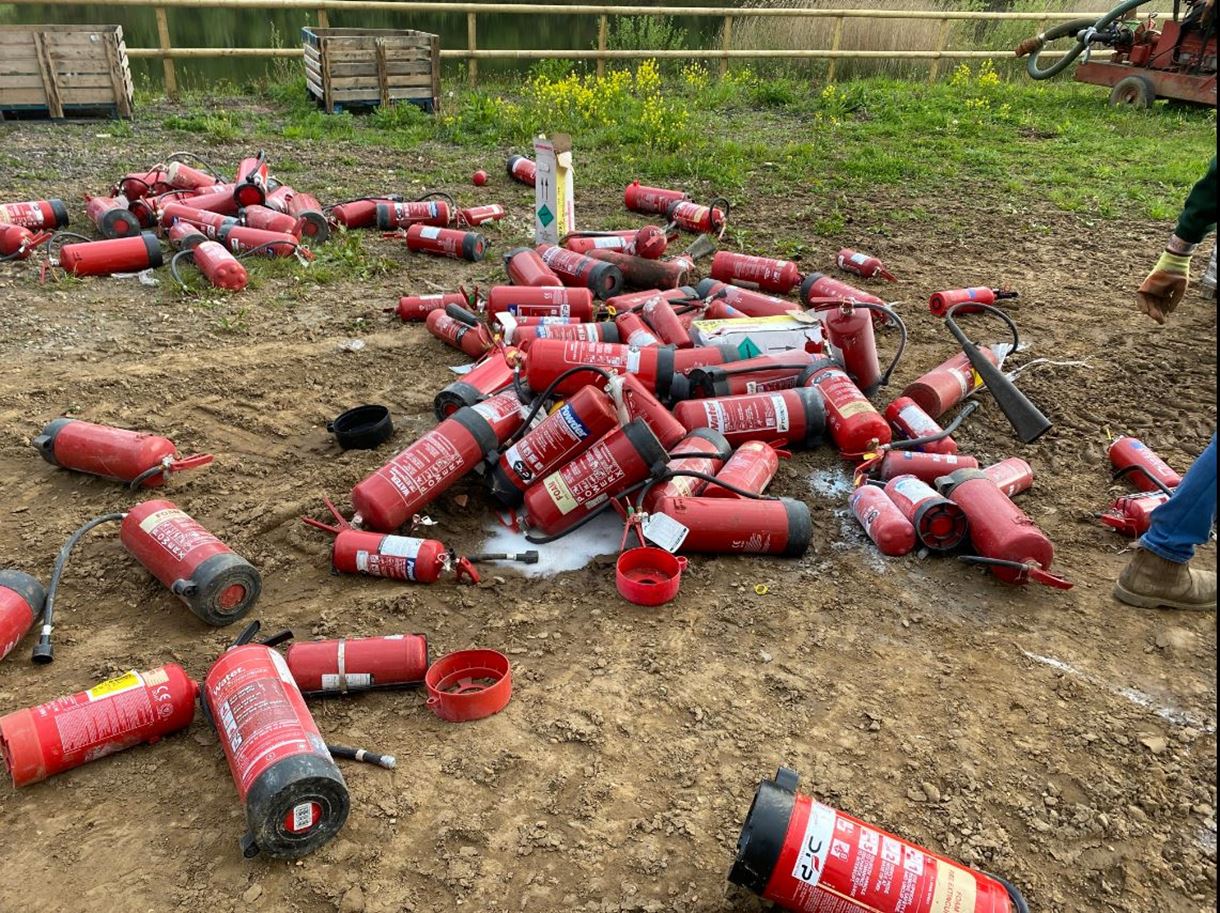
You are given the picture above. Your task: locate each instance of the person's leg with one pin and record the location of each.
(1159, 575)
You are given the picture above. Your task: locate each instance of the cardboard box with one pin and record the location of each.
(762, 335)
(555, 206)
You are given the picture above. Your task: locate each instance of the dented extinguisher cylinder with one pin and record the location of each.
(525, 266)
(947, 384)
(718, 526)
(425, 470)
(536, 301)
(111, 453)
(796, 416)
(1130, 453)
(763, 273)
(21, 601)
(473, 339)
(911, 422)
(716, 450)
(939, 523)
(804, 856)
(881, 519)
(132, 709)
(651, 200)
(291, 790)
(751, 468)
(116, 255)
(38, 214)
(112, 217)
(216, 584)
(358, 663)
(998, 528)
(491, 375)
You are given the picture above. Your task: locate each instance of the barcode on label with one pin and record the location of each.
(302, 817)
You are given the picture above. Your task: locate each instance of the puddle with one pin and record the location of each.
(831, 483)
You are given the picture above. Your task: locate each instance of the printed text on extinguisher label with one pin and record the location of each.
(548, 442)
(175, 532)
(759, 414)
(424, 466)
(917, 421)
(914, 490)
(585, 479)
(110, 718)
(394, 558)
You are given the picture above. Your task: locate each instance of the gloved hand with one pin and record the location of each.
(1165, 286)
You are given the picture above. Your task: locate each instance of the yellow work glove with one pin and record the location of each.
(1165, 286)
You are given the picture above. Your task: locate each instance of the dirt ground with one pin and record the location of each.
(1060, 739)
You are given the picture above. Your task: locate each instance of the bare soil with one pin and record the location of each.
(1060, 739)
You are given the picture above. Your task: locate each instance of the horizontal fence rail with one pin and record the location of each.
(167, 53)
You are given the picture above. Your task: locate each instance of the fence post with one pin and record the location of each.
(945, 25)
(726, 44)
(323, 19)
(472, 44)
(836, 42)
(167, 63)
(603, 26)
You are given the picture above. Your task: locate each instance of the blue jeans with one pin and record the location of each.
(1186, 519)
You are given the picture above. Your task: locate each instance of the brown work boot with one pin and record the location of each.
(1151, 582)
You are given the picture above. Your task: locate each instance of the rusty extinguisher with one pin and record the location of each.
(807, 857)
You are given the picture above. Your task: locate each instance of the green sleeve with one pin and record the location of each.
(1199, 215)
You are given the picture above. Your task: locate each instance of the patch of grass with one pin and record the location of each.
(219, 126)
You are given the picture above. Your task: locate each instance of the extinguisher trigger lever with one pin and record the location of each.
(1046, 578)
(463, 567)
(190, 462)
(333, 530)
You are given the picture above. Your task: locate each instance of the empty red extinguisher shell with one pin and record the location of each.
(251, 183)
(537, 301)
(804, 856)
(940, 302)
(761, 374)
(112, 453)
(414, 212)
(717, 526)
(911, 422)
(269, 220)
(112, 217)
(892, 533)
(525, 266)
(358, 551)
(660, 315)
(308, 210)
(447, 242)
(358, 663)
(728, 301)
(243, 239)
(117, 255)
(21, 600)
(925, 466)
(585, 418)
(35, 215)
(1131, 515)
(1012, 476)
(474, 340)
(762, 273)
(216, 584)
(358, 213)
(210, 223)
(292, 793)
(855, 424)
(634, 332)
(697, 218)
(751, 468)
(939, 523)
(796, 416)
(522, 170)
(869, 267)
(418, 307)
(134, 708)
(651, 200)
(1138, 462)
(491, 375)
(389, 497)
(619, 460)
(947, 384)
(181, 176)
(220, 200)
(574, 270)
(638, 402)
(17, 243)
(716, 450)
(481, 215)
(643, 273)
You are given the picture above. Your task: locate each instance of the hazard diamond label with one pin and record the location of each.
(545, 216)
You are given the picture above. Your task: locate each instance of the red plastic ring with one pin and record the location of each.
(469, 685)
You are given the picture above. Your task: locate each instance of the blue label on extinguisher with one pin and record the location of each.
(575, 426)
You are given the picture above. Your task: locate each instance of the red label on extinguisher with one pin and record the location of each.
(761, 414)
(27, 215)
(176, 532)
(602, 355)
(110, 718)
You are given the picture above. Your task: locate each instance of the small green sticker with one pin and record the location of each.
(747, 349)
(545, 216)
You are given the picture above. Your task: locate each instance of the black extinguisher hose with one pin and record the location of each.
(695, 474)
(359, 754)
(940, 435)
(44, 650)
(902, 329)
(545, 395)
(1140, 470)
(193, 157)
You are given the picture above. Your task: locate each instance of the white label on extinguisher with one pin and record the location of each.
(913, 489)
(633, 361)
(302, 817)
(401, 546)
(349, 682)
(781, 413)
(613, 242)
(665, 531)
(918, 421)
(498, 408)
(815, 846)
(430, 232)
(859, 259)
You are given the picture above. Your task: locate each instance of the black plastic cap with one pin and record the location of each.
(285, 785)
(605, 280)
(44, 651)
(800, 528)
(708, 287)
(946, 484)
(30, 589)
(762, 835)
(808, 284)
(503, 487)
(153, 246)
(474, 247)
(512, 160)
(45, 442)
(478, 428)
(454, 397)
(608, 332)
(60, 211)
(362, 427)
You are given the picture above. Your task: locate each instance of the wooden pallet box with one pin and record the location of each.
(64, 71)
(350, 68)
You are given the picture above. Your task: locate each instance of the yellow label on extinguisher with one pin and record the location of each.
(109, 688)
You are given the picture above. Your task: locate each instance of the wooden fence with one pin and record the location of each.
(472, 53)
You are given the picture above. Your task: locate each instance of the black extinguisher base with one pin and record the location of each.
(286, 786)
(222, 589)
(762, 835)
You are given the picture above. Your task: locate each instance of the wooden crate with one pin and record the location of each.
(64, 71)
(351, 68)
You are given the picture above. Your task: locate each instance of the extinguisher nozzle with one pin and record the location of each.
(44, 651)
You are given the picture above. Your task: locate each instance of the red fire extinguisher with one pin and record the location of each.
(634, 301)
(807, 857)
(112, 217)
(1131, 515)
(116, 255)
(582, 487)
(769, 526)
(252, 181)
(17, 243)
(218, 200)
(491, 375)
(303, 207)
(39, 214)
(660, 315)
(182, 176)
(268, 219)
(880, 517)
(293, 795)
(22, 598)
(637, 401)
(1009, 543)
(360, 213)
(642, 273)
(869, 267)
(947, 384)
(650, 200)
(693, 217)
(796, 417)
(939, 523)
(218, 266)
(389, 497)
(210, 223)
(706, 451)
(524, 336)
(927, 467)
(526, 267)
(447, 242)
(418, 307)
(575, 270)
(133, 457)
(910, 421)
(529, 301)
(761, 273)
(634, 332)
(358, 551)
(585, 418)
(481, 215)
(743, 301)
(466, 334)
(855, 424)
(940, 302)
(649, 242)
(140, 185)
(760, 374)
(1012, 476)
(751, 468)
(438, 213)
(133, 709)
(1148, 472)
(849, 330)
(358, 663)
(522, 170)
(818, 287)
(241, 239)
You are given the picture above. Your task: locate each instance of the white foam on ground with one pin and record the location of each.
(831, 483)
(572, 552)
